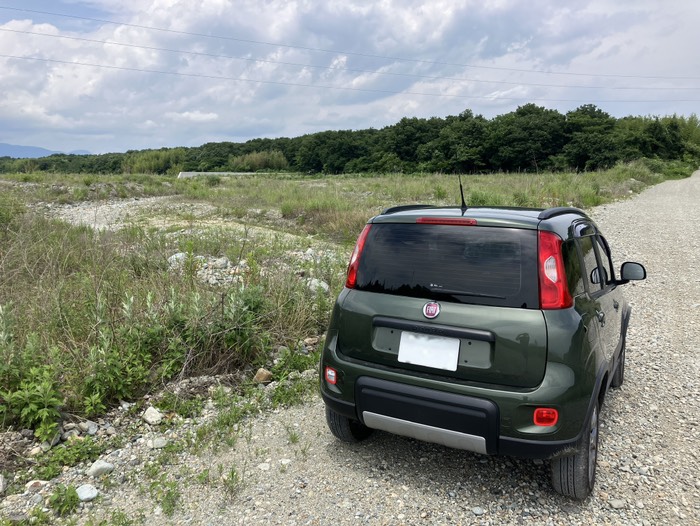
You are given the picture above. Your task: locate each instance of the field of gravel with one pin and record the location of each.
(293, 472)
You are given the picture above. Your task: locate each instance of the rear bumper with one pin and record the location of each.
(454, 420)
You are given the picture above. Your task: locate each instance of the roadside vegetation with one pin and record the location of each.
(89, 318)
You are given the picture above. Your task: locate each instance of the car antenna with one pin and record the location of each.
(461, 193)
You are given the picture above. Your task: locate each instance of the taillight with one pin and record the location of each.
(545, 416)
(351, 281)
(554, 291)
(459, 221)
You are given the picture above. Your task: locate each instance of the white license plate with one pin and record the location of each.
(429, 351)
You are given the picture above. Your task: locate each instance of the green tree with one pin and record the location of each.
(525, 139)
(406, 137)
(591, 145)
(459, 147)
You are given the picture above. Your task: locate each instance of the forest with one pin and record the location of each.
(529, 139)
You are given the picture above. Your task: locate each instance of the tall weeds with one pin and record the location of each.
(89, 318)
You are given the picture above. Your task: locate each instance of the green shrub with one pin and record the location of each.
(35, 403)
(64, 500)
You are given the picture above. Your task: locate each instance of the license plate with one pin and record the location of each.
(429, 351)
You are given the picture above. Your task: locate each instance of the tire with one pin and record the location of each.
(346, 429)
(619, 375)
(574, 476)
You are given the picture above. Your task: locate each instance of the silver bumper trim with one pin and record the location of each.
(446, 437)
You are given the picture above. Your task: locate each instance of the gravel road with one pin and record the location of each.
(295, 473)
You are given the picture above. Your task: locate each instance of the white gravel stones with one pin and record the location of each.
(157, 443)
(152, 416)
(99, 468)
(87, 492)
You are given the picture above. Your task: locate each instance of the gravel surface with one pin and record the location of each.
(294, 472)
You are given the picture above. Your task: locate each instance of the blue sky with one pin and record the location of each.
(107, 75)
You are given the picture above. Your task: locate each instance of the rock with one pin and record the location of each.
(88, 427)
(157, 443)
(152, 416)
(265, 466)
(35, 451)
(35, 485)
(56, 439)
(3, 484)
(617, 504)
(99, 468)
(87, 492)
(219, 263)
(311, 341)
(318, 286)
(111, 431)
(263, 376)
(478, 511)
(177, 260)
(27, 433)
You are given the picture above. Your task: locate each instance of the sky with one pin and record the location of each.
(117, 75)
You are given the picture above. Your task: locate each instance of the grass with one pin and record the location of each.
(90, 318)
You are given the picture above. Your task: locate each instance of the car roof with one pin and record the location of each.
(485, 215)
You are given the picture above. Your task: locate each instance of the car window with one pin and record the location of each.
(572, 265)
(482, 265)
(590, 263)
(605, 264)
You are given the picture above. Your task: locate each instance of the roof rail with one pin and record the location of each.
(560, 210)
(404, 208)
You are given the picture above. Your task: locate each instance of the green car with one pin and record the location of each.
(494, 330)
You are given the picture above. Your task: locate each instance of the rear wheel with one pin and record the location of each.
(346, 429)
(574, 476)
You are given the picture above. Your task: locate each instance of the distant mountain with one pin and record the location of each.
(30, 152)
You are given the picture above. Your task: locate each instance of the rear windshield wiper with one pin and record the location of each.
(452, 292)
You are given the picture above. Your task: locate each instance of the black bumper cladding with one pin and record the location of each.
(453, 420)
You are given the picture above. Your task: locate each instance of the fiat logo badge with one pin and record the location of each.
(431, 310)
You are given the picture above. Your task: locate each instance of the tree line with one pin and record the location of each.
(529, 139)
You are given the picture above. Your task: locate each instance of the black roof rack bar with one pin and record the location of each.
(403, 208)
(560, 210)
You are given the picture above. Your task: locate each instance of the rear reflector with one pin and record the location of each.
(331, 375)
(462, 221)
(545, 416)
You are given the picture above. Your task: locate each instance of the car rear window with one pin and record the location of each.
(465, 264)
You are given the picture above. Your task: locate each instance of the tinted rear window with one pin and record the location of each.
(484, 265)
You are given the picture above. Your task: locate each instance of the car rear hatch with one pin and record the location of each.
(455, 300)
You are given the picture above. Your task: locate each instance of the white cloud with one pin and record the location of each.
(206, 83)
(192, 116)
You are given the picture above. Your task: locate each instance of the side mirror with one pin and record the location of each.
(632, 271)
